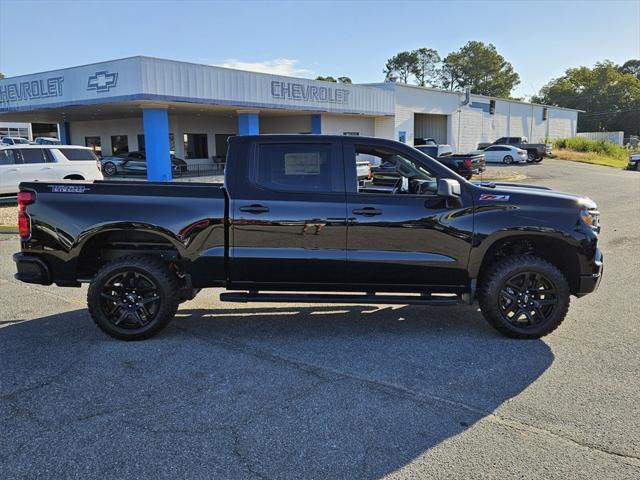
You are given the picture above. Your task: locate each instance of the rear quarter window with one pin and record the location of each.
(78, 154)
(7, 157)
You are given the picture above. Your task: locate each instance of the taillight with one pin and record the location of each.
(467, 163)
(24, 222)
(370, 173)
(99, 165)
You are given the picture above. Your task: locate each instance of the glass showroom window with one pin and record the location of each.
(142, 145)
(119, 144)
(94, 143)
(195, 145)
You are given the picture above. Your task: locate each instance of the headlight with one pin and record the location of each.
(591, 217)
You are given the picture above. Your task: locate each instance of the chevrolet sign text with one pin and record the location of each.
(309, 93)
(31, 90)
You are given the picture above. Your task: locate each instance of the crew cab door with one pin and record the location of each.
(400, 232)
(288, 214)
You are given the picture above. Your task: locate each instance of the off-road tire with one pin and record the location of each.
(493, 282)
(167, 291)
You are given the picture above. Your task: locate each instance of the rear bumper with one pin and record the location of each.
(590, 281)
(31, 269)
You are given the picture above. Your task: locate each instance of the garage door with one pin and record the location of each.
(430, 126)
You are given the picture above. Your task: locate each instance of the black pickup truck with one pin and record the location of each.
(292, 217)
(466, 165)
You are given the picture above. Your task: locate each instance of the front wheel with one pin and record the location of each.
(109, 169)
(524, 296)
(133, 298)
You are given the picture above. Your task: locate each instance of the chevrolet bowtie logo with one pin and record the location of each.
(102, 81)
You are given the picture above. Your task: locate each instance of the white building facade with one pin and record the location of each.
(119, 105)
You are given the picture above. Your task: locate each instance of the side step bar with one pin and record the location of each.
(244, 297)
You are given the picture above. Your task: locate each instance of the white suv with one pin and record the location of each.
(46, 163)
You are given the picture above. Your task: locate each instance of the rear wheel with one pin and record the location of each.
(508, 159)
(133, 298)
(524, 297)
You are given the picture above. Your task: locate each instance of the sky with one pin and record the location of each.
(301, 38)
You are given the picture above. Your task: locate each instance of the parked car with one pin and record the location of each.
(363, 169)
(465, 165)
(504, 154)
(634, 162)
(47, 141)
(535, 151)
(135, 163)
(14, 141)
(292, 217)
(46, 163)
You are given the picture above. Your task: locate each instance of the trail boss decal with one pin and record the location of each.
(68, 188)
(492, 197)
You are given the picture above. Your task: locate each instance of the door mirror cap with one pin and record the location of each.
(448, 188)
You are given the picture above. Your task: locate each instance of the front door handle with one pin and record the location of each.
(254, 209)
(367, 211)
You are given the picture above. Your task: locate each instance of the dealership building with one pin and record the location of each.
(143, 103)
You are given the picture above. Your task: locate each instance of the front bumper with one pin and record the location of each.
(589, 282)
(633, 163)
(31, 269)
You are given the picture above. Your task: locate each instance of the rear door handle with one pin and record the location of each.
(367, 211)
(254, 209)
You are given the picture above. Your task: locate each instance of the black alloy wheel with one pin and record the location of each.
(130, 300)
(133, 298)
(523, 296)
(531, 157)
(527, 299)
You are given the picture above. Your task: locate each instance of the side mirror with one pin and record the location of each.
(448, 188)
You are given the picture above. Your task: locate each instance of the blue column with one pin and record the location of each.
(316, 124)
(156, 139)
(248, 123)
(64, 132)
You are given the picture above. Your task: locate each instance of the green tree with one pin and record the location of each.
(481, 68)
(426, 64)
(1, 75)
(610, 98)
(400, 67)
(334, 80)
(346, 80)
(631, 66)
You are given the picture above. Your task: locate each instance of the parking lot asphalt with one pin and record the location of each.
(327, 391)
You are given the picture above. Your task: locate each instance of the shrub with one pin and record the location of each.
(601, 147)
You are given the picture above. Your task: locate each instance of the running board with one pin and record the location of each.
(244, 297)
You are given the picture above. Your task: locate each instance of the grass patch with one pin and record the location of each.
(8, 229)
(597, 152)
(591, 157)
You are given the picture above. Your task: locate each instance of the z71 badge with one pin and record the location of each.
(492, 197)
(68, 188)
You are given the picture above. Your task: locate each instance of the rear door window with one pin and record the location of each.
(78, 154)
(298, 168)
(33, 155)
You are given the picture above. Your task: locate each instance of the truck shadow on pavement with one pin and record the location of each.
(264, 392)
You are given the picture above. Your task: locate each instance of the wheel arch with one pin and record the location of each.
(555, 250)
(109, 242)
